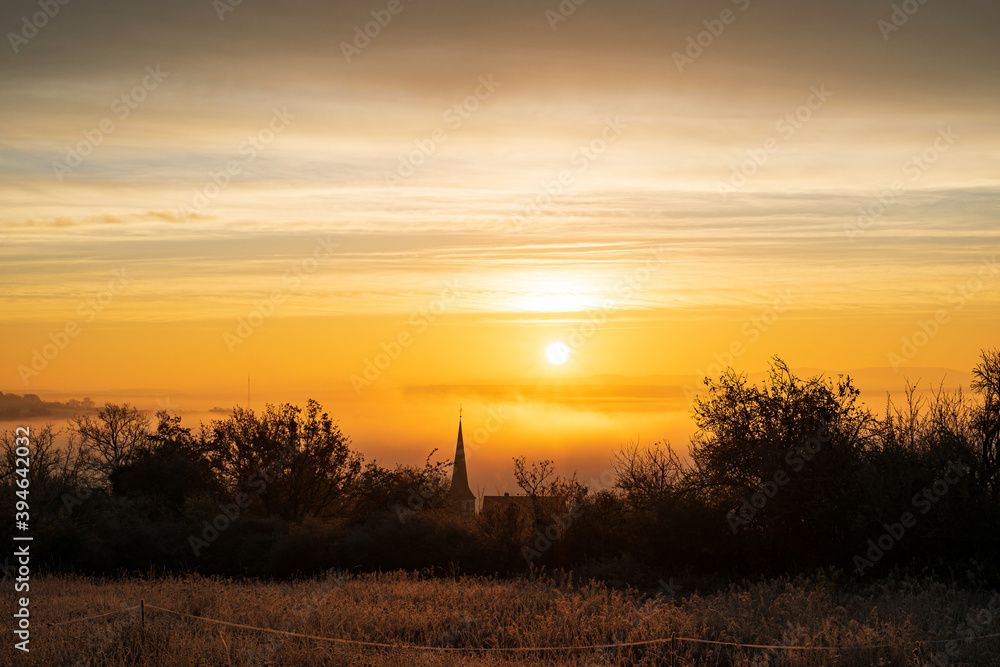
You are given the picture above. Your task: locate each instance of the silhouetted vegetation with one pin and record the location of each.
(15, 406)
(785, 476)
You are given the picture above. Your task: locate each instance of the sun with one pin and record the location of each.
(557, 353)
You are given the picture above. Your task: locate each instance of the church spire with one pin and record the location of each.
(461, 496)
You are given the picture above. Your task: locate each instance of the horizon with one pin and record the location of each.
(489, 453)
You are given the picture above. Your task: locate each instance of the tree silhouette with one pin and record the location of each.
(746, 432)
(173, 467)
(649, 476)
(986, 383)
(288, 464)
(111, 439)
(781, 460)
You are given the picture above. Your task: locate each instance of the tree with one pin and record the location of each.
(986, 383)
(747, 432)
(551, 495)
(540, 481)
(174, 467)
(113, 438)
(403, 490)
(55, 473)
(532, 481)
(321, 475)
(288, 464)
(781, 462)
(649, 476)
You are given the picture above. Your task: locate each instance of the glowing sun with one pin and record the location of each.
(557, 353)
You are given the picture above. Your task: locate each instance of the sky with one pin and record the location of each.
(395, 207)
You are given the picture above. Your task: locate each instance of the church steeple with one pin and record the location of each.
(462, 499)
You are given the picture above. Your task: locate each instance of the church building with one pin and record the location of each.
(463, 501)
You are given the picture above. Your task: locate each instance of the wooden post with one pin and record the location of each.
(142, 621)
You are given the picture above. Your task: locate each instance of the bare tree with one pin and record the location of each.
(54, 471)
(650, 475)
(532, 481)
(549, 492)
(113, 438)
(986, 383)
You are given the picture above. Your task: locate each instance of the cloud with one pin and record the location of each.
(71, 222)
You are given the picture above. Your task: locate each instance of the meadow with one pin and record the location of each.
(560, 610)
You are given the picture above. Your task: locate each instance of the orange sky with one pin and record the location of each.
(188, 199)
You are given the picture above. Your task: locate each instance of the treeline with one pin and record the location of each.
(788, 475)
(14, 406)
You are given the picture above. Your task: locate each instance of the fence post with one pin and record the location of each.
(142, 620)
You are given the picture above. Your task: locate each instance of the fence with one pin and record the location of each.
(673, 641)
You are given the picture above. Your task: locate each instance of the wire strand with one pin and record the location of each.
(511, 649)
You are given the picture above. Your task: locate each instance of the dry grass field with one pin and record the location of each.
(405, 608)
